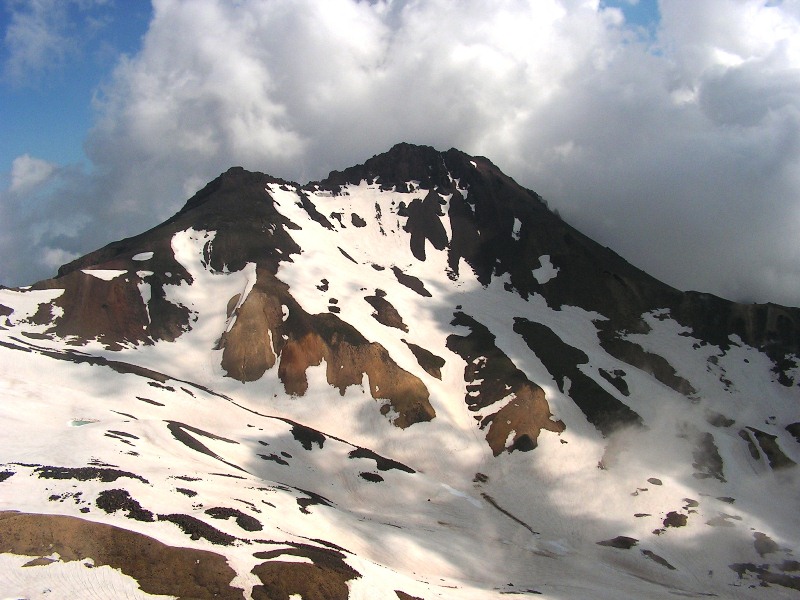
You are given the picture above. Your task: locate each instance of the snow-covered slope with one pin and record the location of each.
(410, 380)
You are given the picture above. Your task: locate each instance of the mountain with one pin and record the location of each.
(408, 380)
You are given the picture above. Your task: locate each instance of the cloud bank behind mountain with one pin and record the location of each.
(678, 147)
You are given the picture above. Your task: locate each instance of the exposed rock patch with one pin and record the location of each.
(766, 576)
(385, 313)
(622, 542)
(325, 579)
(707, 459)
(348, 356)
(85, 474)
(658, 559)
(245, 521)
(675, 519)
(526, 411)
(431, 363)
(197, 529)
(602, 410)
(247, 352)
(117, 499)
(381, 463)
(424, 223)
(262, 335)
(794, 429)
(635, 355)
(769, 446)
(159, 569)
(617, 379)
(413, 283)
(764, 544)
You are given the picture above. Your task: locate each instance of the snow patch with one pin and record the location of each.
(27, 302)
(250, 272)
(143, 256)
(67, 579)
(104, 274)
(517, 228)
(546, 271)
(146, 292)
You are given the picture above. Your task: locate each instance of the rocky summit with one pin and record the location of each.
(410, 380)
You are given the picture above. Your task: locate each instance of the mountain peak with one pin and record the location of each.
(402, 163)
(414, 350)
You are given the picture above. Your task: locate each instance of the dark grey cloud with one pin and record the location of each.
(680, 151)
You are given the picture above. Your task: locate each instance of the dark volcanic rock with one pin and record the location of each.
(431, 363)
(769, 445)
(603, 410)
(197, 529)
(622, 542)
(592, 276)
(86, 474)
(707, 459)
(381, 462)
(526, 413)
(675, 519)
(114, 500)
(385, 313)
(245, 521)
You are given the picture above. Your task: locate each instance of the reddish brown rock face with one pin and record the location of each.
(111, 311)
(348, 357)
(262, 336)
(247, 349)
(527, 414)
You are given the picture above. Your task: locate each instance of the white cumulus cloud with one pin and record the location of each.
(681, 151)
(28, 172)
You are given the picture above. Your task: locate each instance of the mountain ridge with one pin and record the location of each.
(407, 380)
(605, 284)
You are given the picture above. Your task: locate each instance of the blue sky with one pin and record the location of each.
(669, 131)
(643, 13)
(46, 103)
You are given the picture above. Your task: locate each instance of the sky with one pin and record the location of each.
(667, 130)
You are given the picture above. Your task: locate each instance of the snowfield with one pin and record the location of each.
(343, 490)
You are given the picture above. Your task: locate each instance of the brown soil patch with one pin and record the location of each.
(326, 579)
(158, 568)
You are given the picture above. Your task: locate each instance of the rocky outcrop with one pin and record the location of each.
(272, 327)
(493, 379)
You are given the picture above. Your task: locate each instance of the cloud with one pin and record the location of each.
(41, 36)
(28, 172)
(680, 151)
